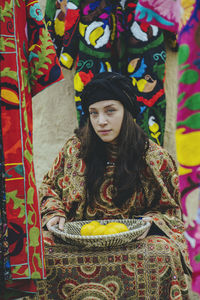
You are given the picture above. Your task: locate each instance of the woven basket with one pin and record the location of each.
(71, 233)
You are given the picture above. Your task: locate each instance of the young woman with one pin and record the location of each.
(110, 170)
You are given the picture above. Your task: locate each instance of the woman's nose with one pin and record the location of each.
(102, 119)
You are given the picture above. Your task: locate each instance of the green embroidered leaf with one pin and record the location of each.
(181, 96)
(28, 156)
(6, 72)
(18, 202)
(50, 9)
(193, 102)
(183, 54)
(35, 275)
(43, 61)
(6, 42)
(17, 3)
(25, 76)
(26, 272)
(16, 269)
(6, 11)
(26, 121)
(184, 67)
(30, 214)
(189, 77)
(34, 237)
(37, 255)
(30, 195)
(192, 121)
(197, 258)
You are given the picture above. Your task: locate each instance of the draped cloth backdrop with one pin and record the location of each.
(28, 64)
(166, 14)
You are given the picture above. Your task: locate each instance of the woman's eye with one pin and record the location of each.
(110, 111)
(93, 113)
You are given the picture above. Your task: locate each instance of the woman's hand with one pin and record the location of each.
(56, 220)
(145, 219)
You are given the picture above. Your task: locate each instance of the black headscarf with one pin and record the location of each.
(110, 86)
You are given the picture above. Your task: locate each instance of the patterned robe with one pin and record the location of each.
(63, 191)
(28, 64)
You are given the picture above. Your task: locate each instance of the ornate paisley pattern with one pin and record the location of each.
(147, 269)
(166, 249)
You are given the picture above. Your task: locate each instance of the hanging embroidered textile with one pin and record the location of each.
(146, 55)
(28, 64)
(94, 35)
(164, 14)
(188, 133)
(188, 125)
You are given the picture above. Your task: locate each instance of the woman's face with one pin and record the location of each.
(106, 118)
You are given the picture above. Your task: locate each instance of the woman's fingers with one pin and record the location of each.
(61, 223)
(52, 221)
(146, 219)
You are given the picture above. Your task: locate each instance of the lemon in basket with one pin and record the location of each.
(88, 229)
(99, 230)
(119, 227)
(95, 228)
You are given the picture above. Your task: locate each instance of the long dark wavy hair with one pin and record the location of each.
(130, 149)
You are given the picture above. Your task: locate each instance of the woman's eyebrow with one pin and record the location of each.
(109, 105)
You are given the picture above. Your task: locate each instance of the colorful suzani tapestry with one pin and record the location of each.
(28, 64)
(145, 60)
(101, 35)
(188, 133)
(164, 14)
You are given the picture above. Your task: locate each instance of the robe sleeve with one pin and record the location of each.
(166, 212)
(50, 192)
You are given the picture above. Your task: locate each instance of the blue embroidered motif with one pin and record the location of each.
(142, 12)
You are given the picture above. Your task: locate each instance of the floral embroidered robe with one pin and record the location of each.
(28, 64)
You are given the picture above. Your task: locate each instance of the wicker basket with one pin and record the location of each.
(71, 233)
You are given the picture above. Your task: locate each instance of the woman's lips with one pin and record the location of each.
(104, 132)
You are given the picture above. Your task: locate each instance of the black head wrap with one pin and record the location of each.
(110, 86)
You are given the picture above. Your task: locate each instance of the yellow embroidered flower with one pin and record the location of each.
(187, 7)
(154, 128)
(66, 60)
(59, 27)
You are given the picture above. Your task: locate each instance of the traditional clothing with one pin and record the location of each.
(28, 64)
(63, 193)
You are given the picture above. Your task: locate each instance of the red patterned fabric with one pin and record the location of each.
(28, 64)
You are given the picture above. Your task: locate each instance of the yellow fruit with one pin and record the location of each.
(95, 223)
(110, 230)
(87, 229)
(99, 230)
(112, 224)
(120, 227)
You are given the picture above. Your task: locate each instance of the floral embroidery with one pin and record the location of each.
(35, 12)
